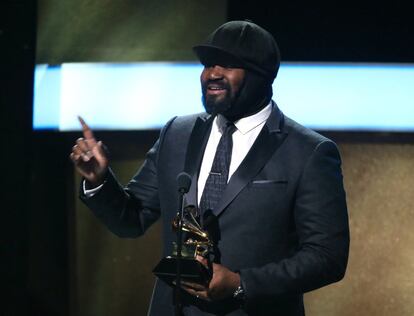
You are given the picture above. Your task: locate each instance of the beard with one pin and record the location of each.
(254, 94)
(218, 104)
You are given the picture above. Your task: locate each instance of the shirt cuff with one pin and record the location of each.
(91, 192)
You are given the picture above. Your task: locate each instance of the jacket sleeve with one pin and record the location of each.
(130, 211)
(321, 221)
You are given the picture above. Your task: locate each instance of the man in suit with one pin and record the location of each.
(273, 187)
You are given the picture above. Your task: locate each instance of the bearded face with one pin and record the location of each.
(234, 92)
(220, 87)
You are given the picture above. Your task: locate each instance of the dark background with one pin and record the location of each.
(344, 31)
(34, 245)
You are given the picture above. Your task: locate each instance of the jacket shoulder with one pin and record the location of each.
(302, 142)
(303, 135)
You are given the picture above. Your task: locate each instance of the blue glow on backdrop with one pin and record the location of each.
(371, 97)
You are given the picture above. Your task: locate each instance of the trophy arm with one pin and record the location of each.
(191, 228)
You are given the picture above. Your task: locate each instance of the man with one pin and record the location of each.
(274, 187)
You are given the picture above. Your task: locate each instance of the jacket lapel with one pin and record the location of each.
(269, 139)
(195, 151)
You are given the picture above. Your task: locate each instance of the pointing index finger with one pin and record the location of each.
(87, 132)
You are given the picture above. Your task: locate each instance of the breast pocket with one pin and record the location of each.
(268, 184)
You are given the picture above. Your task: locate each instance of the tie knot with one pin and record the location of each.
(229, 128)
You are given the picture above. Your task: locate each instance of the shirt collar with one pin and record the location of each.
(246, 124)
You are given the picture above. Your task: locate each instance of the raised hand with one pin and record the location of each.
(89, 156)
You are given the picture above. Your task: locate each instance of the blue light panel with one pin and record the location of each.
(343, 97)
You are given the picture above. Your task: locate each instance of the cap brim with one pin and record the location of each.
(210, 55)
(213, 55)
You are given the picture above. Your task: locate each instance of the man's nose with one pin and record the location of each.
(216, 72)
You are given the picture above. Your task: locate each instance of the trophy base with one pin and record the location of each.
(191, 271)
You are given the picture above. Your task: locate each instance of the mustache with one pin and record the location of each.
(217, 83)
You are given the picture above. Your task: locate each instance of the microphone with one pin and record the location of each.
(184, 182)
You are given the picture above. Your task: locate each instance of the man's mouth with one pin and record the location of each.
(215, 89)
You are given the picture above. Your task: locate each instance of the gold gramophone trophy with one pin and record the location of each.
(196, 242)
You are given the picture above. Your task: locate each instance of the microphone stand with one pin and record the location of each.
(184, 182)
(177, 290)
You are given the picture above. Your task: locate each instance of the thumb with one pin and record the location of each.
(202, 260)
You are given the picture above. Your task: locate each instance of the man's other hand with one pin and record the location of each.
(89, 157)
(222, 284)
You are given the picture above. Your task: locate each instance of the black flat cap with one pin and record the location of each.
(242, 44)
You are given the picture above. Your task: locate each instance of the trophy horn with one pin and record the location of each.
(191, 228)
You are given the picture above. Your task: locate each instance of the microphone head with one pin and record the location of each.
(184, 182)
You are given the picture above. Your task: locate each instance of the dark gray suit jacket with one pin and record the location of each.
(282, 220)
